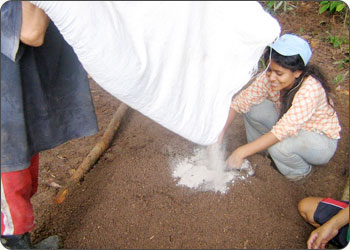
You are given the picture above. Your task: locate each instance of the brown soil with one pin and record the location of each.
(130, 200)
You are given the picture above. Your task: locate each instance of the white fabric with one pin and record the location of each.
(6, 213)
(179, 63)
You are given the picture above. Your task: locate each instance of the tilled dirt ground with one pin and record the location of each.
(130, 200)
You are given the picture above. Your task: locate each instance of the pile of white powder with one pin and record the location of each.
(205, 170)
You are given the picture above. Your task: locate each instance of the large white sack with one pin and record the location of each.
(179, 63)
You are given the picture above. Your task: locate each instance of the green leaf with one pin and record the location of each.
(270, 4)
(333, 6)
(340, 7)
(339, 65)
(323, 8)
(338, 78)
(278, 5)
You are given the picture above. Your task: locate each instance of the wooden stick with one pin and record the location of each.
(96, 152)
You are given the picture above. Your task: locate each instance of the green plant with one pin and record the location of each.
(331, 6)
(336, 41)
(334, 6)
(338, 78)
(273, 6)
(341, 63)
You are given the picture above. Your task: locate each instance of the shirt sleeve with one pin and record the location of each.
(254, 94)
(303, 107)
(11, 21)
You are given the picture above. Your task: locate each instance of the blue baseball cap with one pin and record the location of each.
(290, 45)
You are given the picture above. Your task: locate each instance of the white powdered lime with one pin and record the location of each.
(205, 170)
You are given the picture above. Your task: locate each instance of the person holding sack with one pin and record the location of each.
(45, 101)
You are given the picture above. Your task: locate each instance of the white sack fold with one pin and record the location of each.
(178, 63)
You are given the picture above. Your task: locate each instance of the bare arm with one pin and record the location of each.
(263, 142)
(34, 25)
(321, 235)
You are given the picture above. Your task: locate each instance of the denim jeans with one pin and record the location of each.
(293, 156)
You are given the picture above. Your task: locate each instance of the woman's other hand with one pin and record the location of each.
(235, 160)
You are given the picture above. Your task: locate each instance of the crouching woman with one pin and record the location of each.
(287, 111)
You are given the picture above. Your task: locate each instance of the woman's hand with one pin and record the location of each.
(235, 160)
(263, 142)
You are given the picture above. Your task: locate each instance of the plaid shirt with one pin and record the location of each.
(309, 111)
